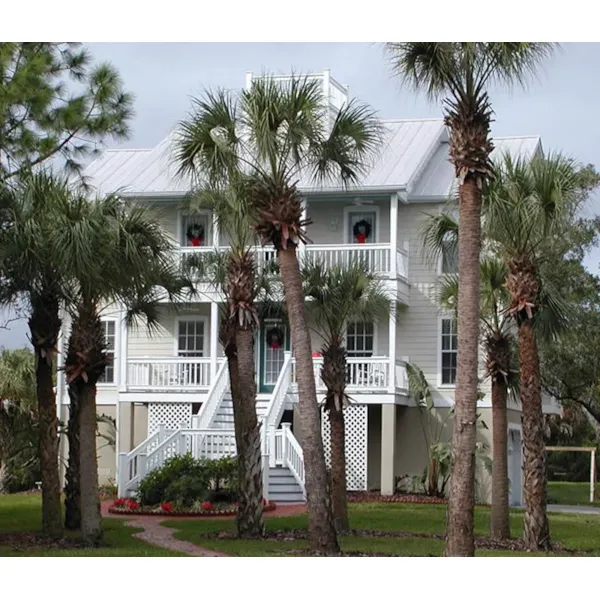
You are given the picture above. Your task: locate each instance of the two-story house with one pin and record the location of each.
(168, 390)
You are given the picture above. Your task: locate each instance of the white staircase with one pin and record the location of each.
(283, 487)
(212, 436)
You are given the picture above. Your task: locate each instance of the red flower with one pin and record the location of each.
(120, 502)
(132, 504)
(206, 505)
(166, 507)
(265, 502)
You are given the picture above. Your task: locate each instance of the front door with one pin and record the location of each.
(274, 341)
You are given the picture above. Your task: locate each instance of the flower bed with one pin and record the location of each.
(129, 506)
(406, 498)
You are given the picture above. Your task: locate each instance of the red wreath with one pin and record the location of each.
(361, 230)
(275, 338)
(195, 234)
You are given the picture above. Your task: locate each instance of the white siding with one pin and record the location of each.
(161, 342)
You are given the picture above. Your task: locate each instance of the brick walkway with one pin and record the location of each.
(158, 535)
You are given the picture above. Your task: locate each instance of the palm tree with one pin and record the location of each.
(460, 74)
(235, 273)
(115, 254)
(526, 206)
(18, 415)
(336, 296)
(32, 272)
(276, 133)
(498, 342)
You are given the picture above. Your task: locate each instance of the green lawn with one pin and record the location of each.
(576, 532)
(566, 492)
(22, 513)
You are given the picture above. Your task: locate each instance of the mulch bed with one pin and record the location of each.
(403, 498)
(481, 542)
(181, 513)
(29, 541)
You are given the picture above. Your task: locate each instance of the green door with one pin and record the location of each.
(274, 341)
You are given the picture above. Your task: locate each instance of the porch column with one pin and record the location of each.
(302, 246)
(392, 349)
(214, 339)
(215, 231)
(122, 351)
(393, 233)
(388, 448)
(124, 425)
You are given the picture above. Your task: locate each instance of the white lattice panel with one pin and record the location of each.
(355, 418)
(171, 414)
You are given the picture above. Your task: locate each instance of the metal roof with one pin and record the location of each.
(414, 156)
(438, 178)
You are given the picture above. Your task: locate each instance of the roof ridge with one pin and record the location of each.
(440, 119)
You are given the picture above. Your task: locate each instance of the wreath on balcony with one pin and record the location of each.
(275, 338)
(195, 234)
(361, 231)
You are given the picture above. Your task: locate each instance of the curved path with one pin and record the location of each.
(153, 532)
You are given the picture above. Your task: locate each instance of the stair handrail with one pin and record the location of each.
(293, 456)
(276, 403)
(215, 395)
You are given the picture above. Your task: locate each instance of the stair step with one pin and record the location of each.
(287, 498)
(286, 488)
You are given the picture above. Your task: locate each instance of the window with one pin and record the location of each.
(190, 338)
(195, 230)
(110, 339)
(449, 351)
(362, 226)
(449, 257)
(360, 339)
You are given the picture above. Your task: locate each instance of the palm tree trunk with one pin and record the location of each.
(460, 541)
(338, 470)
(333, 373)
(499, 522)
(249, 522)
(4, 477)
(91, 520)
(321, 531)
(536, 529)
(44, 325)
(72, 488)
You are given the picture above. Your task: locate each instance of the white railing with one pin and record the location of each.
(132, 465)
(284, 450)
(274, 410)
(376, 256)
(366, 374)
(176, 373)
(201, 443)
(215, 396)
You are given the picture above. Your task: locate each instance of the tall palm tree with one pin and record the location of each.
(118, 254)
(460, 73)
(235, 273)
(275, 133)
(336, 296)
(526, 206)
(32, 272)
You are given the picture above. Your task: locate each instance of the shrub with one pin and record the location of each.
(223, 473)
(186, 490)
(152, 489)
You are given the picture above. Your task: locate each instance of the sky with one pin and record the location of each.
(560, 105)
